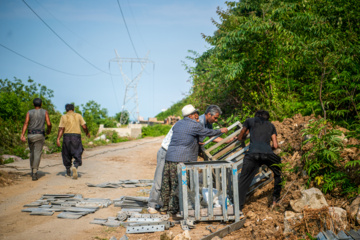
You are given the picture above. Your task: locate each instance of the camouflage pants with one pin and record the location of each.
(169, 187)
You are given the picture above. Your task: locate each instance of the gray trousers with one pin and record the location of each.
(36, 143)
(154, 198)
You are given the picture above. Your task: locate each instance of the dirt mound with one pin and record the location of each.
(289, 132)
(265, 222)
(8, 178)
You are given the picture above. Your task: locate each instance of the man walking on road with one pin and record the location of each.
(35, 122)
(262, 131)
(72, 146)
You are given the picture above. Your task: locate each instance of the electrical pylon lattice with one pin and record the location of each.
(131, 85)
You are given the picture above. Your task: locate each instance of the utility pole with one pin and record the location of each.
(130, 85)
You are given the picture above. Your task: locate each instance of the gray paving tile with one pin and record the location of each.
(37, 210)
(45, 206)
(98, 221)
(112, 223)
(42, 213)
(68, 215)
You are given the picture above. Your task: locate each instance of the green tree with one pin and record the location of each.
(16, 100)
(93, 115)
(126, 117)
(284, 56)
(175, 109)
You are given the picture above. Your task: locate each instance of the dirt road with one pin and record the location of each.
(127, 160)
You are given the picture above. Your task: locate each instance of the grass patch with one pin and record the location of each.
(155, 130)
(6, 161)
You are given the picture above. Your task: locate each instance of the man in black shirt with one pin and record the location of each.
(262, 131)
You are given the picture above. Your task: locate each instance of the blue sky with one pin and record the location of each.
(93, 29)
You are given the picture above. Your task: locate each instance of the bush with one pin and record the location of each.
(174, 110)
(155, 130)
(323, 162)
(114, 137)
(9, 160)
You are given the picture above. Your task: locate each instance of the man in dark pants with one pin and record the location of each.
(184, 147)
(72, 146)
(35, 122)
(260, 152)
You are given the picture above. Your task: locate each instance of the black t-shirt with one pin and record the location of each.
(260, 134)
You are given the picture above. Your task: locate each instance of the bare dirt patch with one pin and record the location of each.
(9, 178)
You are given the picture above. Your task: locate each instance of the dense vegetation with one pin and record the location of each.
(285, 56)
(174, 110)
(288, 57)
(155, 130)
(16, 99)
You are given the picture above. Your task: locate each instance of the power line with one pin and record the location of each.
(127, 29)
(64, 40)
(136, 25)
(74, 33)
(71, 74)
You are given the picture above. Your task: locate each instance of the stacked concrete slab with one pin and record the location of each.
(131, 204)
(123, 184)
(71, 206)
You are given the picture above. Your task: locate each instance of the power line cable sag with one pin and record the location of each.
(74, 33)
(71, 74)
(127, 29)
(136, 25)
(63, 39)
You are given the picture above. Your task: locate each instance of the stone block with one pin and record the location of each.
(68, 215)
(42, 213)
(112, 223)
(313, 198)
(98, 221)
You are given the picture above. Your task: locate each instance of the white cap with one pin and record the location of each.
(188, 109)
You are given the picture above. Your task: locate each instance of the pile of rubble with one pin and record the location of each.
(137, 222)
(264, 222)
(131, 218)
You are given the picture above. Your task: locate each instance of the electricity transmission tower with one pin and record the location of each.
(130, 86)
